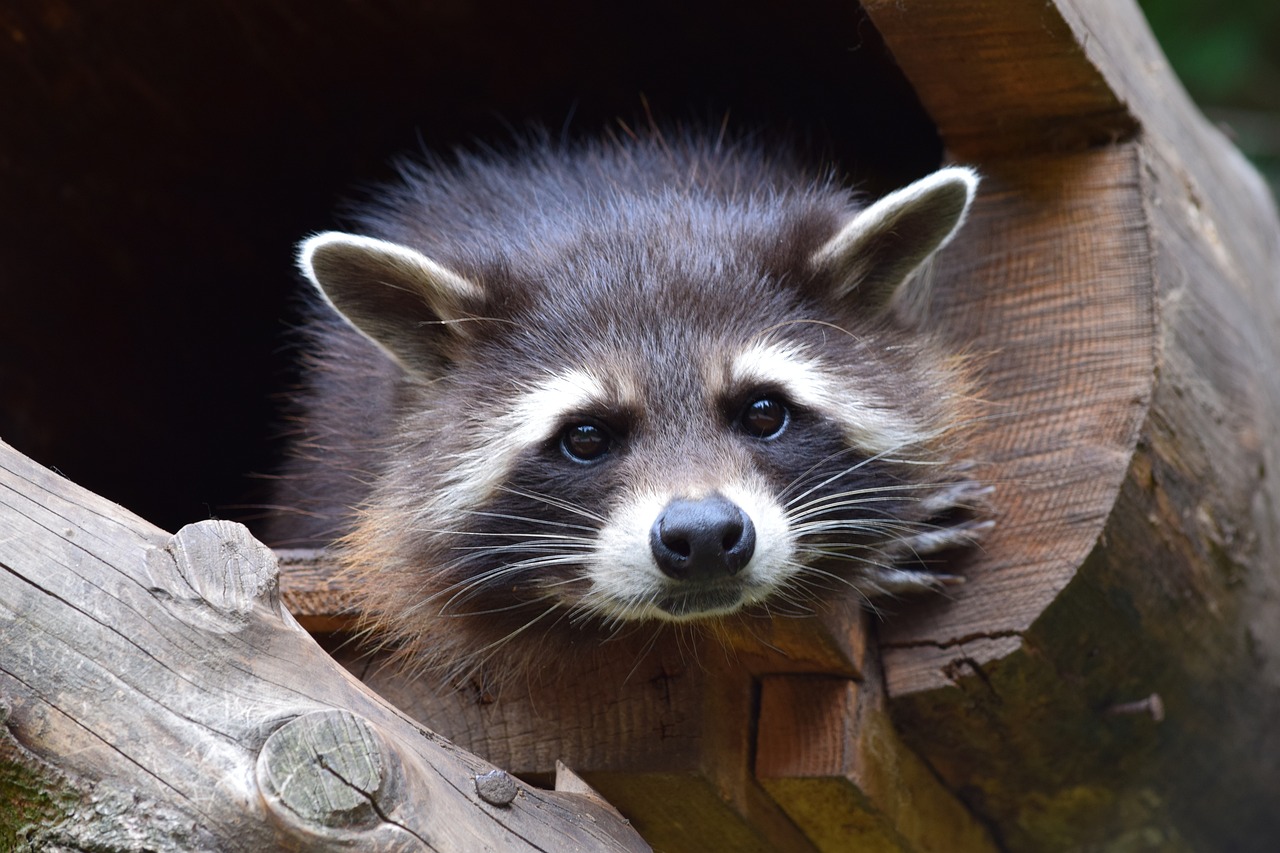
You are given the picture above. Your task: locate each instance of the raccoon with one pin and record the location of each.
(654, 381)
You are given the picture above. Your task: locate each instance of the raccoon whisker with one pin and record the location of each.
(487, 612)
(559, 503)
(812, 577)
(890, 491)
(882, 456)
(825, 509)
(612, 616)
(462, 590)
(644, 651)
(867, 500)
(868, 521)
(844, 553)
(535, 546)
(783, 603)
(493, 646)
(815, 466)
(883, 525)
(526, 519)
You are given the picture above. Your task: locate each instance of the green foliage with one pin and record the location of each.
(1227, 53)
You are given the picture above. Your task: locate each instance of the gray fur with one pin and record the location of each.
(492, 302)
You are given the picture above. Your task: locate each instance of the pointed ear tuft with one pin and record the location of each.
(391, 294)
(879, 249)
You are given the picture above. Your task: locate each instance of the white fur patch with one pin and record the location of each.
(868, 421)
(625, 579)
(537, 413)
(532, 418)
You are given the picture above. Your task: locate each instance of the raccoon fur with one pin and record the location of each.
(568, 390)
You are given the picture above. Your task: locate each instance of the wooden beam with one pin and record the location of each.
(829, 756)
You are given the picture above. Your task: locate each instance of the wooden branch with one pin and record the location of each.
(156, 696)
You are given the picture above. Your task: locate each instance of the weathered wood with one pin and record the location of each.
(1047, 292)
(156, 696)
(1179, 594)
(666, 738)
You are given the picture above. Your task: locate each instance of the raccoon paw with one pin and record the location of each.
(964, 495)
(964, 534)
(905, 572)
(893, 581)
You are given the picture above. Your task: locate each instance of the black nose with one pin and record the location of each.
(702, 539)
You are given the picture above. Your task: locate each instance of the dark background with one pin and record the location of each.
(159, 161)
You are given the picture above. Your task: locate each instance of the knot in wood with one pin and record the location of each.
(496, 787)
(225, 566)
(328, 768)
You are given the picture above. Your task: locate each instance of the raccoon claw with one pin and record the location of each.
(964, 534)
(967, 494)
(896, 581)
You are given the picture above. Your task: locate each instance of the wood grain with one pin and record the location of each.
(144, 677)
(1051, 292)
(1166, 581)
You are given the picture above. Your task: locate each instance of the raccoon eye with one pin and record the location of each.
(585, 442)
(764, 418)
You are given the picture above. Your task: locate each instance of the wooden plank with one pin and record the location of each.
(829, 756)
(667, 738)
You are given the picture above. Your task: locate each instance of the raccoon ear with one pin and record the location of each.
(877, 251)
(388, 292)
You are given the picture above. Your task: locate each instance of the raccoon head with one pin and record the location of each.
(675, 417)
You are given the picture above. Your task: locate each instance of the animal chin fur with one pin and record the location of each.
(573, 390)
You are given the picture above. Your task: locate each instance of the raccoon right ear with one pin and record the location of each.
(389, 293)
(881, 247)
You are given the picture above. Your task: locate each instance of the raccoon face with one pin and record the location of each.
(633, 430)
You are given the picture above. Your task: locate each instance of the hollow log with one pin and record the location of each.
(1112, 673)
(154, 695)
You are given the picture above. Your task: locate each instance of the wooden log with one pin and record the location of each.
(1148, 564)
(828, 754)
(156, 696)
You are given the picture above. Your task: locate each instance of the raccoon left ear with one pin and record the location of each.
(395, 296)
(877, 251)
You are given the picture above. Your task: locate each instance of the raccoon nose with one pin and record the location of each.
(702, 539)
